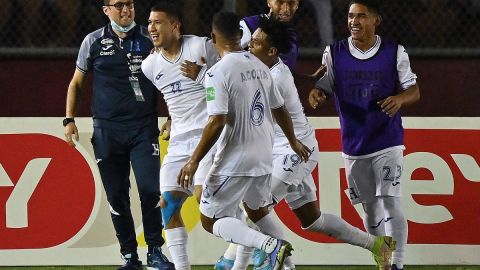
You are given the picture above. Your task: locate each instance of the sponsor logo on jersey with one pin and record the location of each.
(107, 47)
(106, 41)
(210, 93)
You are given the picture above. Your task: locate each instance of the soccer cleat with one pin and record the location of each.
(258, 257)
(223, 264)
(157, 261)
(275, 260)
(288, 268)
(382, 251)
(131, 262)
(394, 267)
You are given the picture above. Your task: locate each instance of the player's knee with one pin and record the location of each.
(207, 223)
(171, 206)
(308, 213)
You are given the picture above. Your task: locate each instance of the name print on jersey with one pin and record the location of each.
(254, 74)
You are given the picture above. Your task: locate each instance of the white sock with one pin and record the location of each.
(231, 252)
(341, 230)
(269, 226)
(235, 231)
(177, 245)
(373, 219)
(243, 258)
(396, 226)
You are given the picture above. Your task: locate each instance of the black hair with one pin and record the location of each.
(372, 5)
(171, 8)
(228, 24)
(277, 32)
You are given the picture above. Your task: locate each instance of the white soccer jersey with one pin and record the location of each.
(185, 98)
(405, 75)
(241, 87)
(286, 86)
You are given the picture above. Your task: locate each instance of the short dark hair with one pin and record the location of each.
(227, 23)
(171, 8)
(277, 32)
(372, 5)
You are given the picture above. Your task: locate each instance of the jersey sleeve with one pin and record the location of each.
(327, 81)
(275, 97)
(147, 67)
(406, 76)
(217, 93)
(211, 57)
(84, 58)
(247, 35)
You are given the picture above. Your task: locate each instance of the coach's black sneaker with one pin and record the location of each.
(131, 262)
(157, 261)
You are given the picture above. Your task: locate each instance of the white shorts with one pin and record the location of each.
(288, 169)
(179, 151)
(373, 177)
(222, 195)
(301, 194)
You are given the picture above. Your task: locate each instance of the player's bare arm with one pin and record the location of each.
(73, 98)
(210, 135)
(285, 122)
(316, 97)
(392, 104)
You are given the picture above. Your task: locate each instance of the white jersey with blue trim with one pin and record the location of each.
(240, 86)
(185, 98)
(285, 84)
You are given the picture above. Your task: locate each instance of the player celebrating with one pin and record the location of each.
(282, 10)
(241, 103)
(168, 68)
(363, 74)
(291, 179)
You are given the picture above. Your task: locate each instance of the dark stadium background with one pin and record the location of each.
(38, 50)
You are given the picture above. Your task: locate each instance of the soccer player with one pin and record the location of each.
(168, 68)
(125, 126)
(241, 102)
(291, 179)
(284, 11)
(363, 74)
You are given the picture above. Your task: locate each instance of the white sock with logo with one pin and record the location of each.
(272, 227)
(338, 228)
(235, 231)
(374, 215)
(177, 245)
(396, 226)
